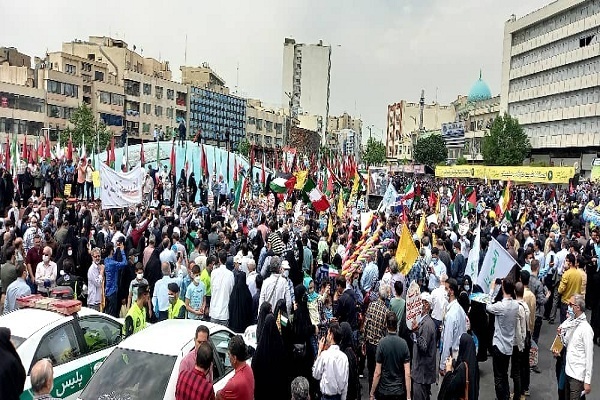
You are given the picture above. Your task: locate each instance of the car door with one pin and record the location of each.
(63, 348)
(222, 370)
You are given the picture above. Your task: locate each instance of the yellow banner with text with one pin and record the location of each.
(514, 174)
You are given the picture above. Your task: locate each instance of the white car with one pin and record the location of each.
(76, 344)
(146, 365)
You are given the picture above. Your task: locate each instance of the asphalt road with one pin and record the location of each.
(542, 386)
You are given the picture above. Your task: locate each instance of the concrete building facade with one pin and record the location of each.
(551, 80)
(265, 130)
(403, 126)
(203, 77)
(306, 80)
(153, 102)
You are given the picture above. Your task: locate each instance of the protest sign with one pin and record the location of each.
(413, 304)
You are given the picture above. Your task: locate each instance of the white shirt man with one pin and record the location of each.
(436, 269)
(439, 301)
(275, 287)
(251, 278)
(221, 284)
(45, 273)
(331, 367)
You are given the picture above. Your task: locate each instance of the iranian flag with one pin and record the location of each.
(314, 195)
(278, 185)
(409, 192)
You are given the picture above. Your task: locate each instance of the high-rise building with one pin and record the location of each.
(550, 71)
(306, 78)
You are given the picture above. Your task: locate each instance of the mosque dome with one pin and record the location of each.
(479, 91)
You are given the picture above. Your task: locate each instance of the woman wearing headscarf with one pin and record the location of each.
(12, 373)
(465, 292)
(84, 258)
(303, 331)
(240, 305)
(269, 363)
(266, 309)
(464, 369)
(348, 348)
(193, 188)
(66, 253)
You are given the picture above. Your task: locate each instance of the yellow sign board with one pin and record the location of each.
(514, 174)
(67, 189)
(96, 178)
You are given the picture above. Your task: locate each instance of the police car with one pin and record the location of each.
(146, 365)
(76, 344)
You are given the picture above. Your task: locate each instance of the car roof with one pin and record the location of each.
(167, 337)
(25, 322)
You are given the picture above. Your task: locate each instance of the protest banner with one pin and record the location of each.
(413, 304)
(120, 189)
(473, 261)
(497, 264)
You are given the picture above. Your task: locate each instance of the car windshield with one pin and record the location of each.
(128, 374)
(16, 341)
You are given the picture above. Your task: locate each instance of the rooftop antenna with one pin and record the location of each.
(185, 51)
(237, 79)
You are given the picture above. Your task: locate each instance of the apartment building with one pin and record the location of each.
(265, 128)
(344, 133)
(404, 126)
(550, 80)
(153, 101)
(203, 77)
(22, 104)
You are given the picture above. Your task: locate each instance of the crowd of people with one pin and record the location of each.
(322, 325)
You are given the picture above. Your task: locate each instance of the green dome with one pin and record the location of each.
(479, 91)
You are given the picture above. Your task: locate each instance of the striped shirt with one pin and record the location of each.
(193, 385)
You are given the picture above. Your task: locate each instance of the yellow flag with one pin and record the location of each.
(330, 227)
(421, 227)
(300, 179)
(356, 183)
(340, 206)
(406, 253)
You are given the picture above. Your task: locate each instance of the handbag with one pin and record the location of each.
(299, 351)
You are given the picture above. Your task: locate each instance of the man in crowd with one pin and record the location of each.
(194, 384)
(392, 372)
(331, 365)
(423, 371)
(375, 323)
(221, 283)
(241, 385)
(42, 379)
(454, 325)
(135, 320)
(504, 332)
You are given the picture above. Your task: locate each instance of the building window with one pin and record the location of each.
(145, 128)
(99, 76)
(117, 99)
(86, 77)
(259, 124)
(54, 87)
(170, 112)
(278, 128)
(132, 88)
(269, 126)
(70, 69)
(159, 92)
(158, 111)
(147, 108)
(86, 67)
(104, 97)
(112, 120)
(251, 121)
(170, 94)
(147, 89)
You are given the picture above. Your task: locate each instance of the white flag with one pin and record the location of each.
(473, 261)
(389, 198)
(497, 264)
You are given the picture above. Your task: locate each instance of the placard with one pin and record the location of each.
(67, 189)
(413, 304)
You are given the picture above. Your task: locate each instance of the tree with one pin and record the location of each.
(430, 150)
(84, 125)
(461, 161)
(244, 147)
(374, 153)
(506, 143)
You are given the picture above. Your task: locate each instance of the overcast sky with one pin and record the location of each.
(384, 50)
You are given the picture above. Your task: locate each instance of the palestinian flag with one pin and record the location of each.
(454, 206)
(471, 200)
(278, 185)
(240, 189)
(314, 195)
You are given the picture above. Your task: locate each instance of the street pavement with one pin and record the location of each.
(542, 386)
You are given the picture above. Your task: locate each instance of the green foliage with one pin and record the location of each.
(244, 147)
(84, 125)
(506, 143)
(461, 161)
(374, 153)
(430, 151)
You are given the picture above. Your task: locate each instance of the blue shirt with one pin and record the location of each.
(195, 294)
(160, 299)
(111, 270)
(370, 276)
(15, 291)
